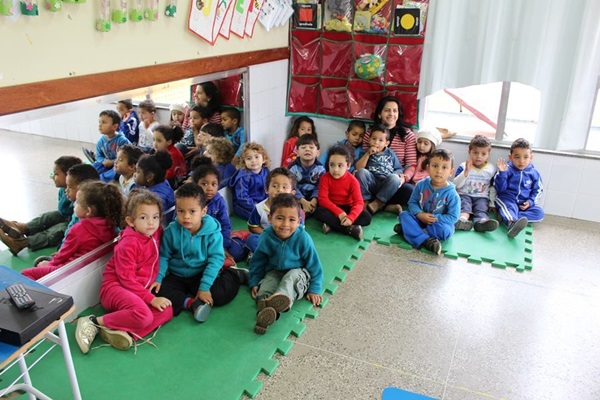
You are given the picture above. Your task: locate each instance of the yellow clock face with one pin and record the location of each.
(407, 21)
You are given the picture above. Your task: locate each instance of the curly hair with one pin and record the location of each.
(339, 150)
(520, 144)
(139, 197)
(479, 141)
(222, 149)
(132, 152)
(253, 146)
(191, 190)
(157, 164)
(105, 199)
(173, 133)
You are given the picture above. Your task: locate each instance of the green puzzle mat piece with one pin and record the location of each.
(222, 358)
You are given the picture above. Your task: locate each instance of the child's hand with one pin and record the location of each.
(372, 150)
(155, 287)
(254, 291)
(346, 221)
(426, 218)
(108, 163)
(205, 297)
(342, 216)
(41, 264)
(468, 166)
(315, 299)
(306, 206)
(502, 165)
(525, 206)
(160, 303)
(402, 179)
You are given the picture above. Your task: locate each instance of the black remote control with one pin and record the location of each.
(19, 296)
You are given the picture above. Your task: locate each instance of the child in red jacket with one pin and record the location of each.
(165, 138)
(133, 309)
(98, 206)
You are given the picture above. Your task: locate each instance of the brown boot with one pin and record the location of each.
(14, 229)
(393, 208)
(14, 245)
(375, 206)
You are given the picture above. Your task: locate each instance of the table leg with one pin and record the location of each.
(26, 377)
(64, 343)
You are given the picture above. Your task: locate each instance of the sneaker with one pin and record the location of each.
(14, 245)
(393, 208)
(14, 229)
(487, 225)
(398, 229)
(249, 257)
(433, 245)
(462, 225)
(201, 310)
(242, 273)
(89, 154)
(279, 302)
(120, 340)
(41, 259)
(355, 231)
(264, 318)
(516, 227)
(326, 229)
(85, 333)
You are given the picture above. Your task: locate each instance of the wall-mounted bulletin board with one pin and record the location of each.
(347, 54)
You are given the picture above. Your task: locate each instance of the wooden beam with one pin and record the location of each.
(34, 95)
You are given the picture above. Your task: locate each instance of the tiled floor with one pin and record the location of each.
(443, 328)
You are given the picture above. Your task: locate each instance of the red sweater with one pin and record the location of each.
(341, 192)
(289, 152)
(134, 265)
(83, 237)
(178, 169)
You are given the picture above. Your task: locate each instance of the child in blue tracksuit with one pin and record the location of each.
(354, 138)
(249, 181)
(191, 256)
(285, 266)
(518, 189)
(108, 144)
(230, 121)
(433, 208)
(307, 170)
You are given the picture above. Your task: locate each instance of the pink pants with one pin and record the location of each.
(36, 273)
(130, 313)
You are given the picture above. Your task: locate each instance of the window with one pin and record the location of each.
(593, 141)
(503, 111)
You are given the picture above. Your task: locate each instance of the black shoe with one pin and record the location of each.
(516, 227)
(89, 154)
(242, 274)
(462, 225)
(486, 226)
(398, 229)
(201, 310)
(433, 245)
(355, 231)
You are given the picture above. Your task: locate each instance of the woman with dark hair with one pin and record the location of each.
(389, 112)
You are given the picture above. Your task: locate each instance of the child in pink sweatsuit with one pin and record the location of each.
(134, 311)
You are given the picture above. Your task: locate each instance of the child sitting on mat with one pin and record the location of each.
(433, 208)
(285, 266)
(473, 182)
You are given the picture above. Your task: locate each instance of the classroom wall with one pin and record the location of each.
(63, 44)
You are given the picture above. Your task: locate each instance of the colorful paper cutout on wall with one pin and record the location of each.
(6, 7)
(29, 7)
(240, 16)
(103, 20)
(119, 13)
(136, 14)
(253, 16)
(206, 17)
(151, 10)
(225, 29)
(171, 8)
(53, 5)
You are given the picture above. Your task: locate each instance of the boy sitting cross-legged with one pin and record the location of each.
(307, 170)
(433, 208)
(285, 266)
(191, 256)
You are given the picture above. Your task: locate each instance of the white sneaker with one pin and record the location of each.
(85, 333)
(120, 340)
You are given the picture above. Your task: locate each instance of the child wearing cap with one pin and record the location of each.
(427, 141)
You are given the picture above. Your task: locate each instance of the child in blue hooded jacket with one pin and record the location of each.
(285, 265)
(191, 256)
(249, 182)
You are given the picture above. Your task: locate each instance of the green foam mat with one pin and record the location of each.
(25, 258)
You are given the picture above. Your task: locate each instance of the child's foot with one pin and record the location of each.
(264, 318)
(279, 302)
(326, 229)
(14, 245)
(463, 225)
(393, 208)
(375, 206)
(433, 245)
(14, 229)
(242, 274)
(398, 229)
(89, 154)
(355, 231)
(200, 310)
(85, 333)
(120, 340)
(516, 227)
(487, 225)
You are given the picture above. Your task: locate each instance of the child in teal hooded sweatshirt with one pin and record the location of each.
(191, 256)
